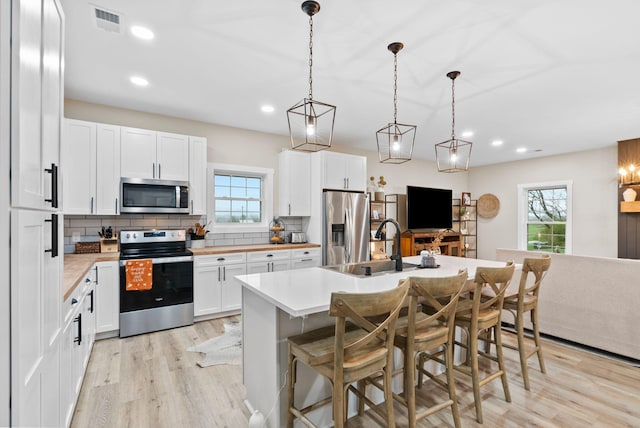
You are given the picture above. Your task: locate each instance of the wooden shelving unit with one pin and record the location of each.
(630, 207)
(414, 242)
(466, 225)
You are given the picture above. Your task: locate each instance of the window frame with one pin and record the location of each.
(266, 174)
(523, 211)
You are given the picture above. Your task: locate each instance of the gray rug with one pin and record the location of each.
(225, 349)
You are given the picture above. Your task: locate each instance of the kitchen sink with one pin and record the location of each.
(373, 267)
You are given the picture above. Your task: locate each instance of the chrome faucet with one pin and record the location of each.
(398, 256)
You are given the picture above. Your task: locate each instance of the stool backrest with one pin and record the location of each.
(440, 295)
(538, 267)
(376, 313)
(497, 280)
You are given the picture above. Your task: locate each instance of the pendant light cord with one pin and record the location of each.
(395, 88)
(310, 57)
(453, 110)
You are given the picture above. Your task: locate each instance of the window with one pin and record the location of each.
(544, 211)
(240, 198)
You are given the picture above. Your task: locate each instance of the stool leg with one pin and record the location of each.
(410, 387)
(521, 349)
(472, 353)
(291, 380)
(388, 394)
(536, 337)
(448, 355)
(338, 403)
(501, 365)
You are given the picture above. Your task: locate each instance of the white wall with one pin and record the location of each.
(595, 212)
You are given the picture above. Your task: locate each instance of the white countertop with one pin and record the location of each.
(307, 291)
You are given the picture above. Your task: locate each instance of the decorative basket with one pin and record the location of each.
(87, 247)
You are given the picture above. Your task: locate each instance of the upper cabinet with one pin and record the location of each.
(198, 175)
(36, 103)
(294, 172)
(151, 154)
(91, 155)
(343, 172)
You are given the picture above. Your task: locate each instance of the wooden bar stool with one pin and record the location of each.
(360, 345)
(419, 334)
(526, 300)
(482, 314)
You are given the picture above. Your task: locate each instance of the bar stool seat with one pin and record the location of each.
(360, 345)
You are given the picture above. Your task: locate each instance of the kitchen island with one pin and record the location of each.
(277, 305)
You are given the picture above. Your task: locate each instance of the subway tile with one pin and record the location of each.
(68, 231)
(242, 241)
(234, 235)
(173, 223)
(219, 242)
(143, 223)
(95, 222)
(259, 241)
(70, 248)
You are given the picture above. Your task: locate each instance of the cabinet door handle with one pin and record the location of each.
(219, 269)
(224, 273)
(220, 259)
(78, 339)
(269, 255)
(54, 185)
(91, 206)
(153, 172)
(116, 205)
(306, 260)
(97, 281)
(91, 297)
(289, 209)
(54, 235)
(306, 252)
(159, 173)
(191, 206)
(348, 182)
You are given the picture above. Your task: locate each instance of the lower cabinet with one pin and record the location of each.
(305, 258)
(214, 287)
(107, 299)
(268, 261)
(78, 336)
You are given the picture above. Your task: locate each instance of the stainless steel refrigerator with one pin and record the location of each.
(345, 228)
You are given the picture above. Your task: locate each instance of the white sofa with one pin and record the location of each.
(594, 301)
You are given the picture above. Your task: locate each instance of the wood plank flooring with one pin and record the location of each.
(152, 381)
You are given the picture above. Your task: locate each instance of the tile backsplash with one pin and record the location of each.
(81, 228)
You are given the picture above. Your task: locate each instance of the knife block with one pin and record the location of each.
(109, 245)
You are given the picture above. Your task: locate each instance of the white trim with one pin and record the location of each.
(267, 197)
(522, 211)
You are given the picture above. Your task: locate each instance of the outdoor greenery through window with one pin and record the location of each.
(237, 199)
(547, 219)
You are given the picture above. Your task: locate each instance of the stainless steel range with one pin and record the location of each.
(156, 281)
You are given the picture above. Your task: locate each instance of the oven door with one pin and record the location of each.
(172, 284)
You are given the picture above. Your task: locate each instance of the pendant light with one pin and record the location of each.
(311, 121)
(453, 155)
(395, 141)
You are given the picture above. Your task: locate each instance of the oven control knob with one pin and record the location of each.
(135, 235)
(128, 235)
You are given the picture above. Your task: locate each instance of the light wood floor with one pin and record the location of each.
(151, 381)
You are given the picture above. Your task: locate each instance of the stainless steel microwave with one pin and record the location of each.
(141, 195)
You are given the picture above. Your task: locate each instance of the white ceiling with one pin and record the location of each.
(553, 76)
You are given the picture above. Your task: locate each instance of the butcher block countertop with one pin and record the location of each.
(76, 266)
(222, 249)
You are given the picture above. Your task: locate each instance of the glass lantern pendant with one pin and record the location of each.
(310, 121)
(453, 155)
(395, 141)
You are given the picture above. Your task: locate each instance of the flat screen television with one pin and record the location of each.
(429, 208)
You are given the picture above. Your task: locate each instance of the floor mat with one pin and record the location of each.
(225, 349)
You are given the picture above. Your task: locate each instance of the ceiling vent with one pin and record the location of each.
(106, 20)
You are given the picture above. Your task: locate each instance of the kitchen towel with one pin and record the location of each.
(139, 275)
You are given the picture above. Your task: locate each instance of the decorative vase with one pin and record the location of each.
(629, 195)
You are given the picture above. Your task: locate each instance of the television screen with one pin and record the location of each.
(429, 208)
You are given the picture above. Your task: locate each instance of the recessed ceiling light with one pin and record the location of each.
(496, 143)
(467, 134)
(521, 149)
(267, 108)
(142, 32)
(139, 81)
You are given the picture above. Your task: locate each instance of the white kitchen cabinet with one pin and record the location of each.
(294, 172)
(150, 154)
(107, 297)
(214, 287)
(76, 344)
(268, 261)
(36, 102)
(172, 154)
(79, 160)
(343, 172)
(107, 169)
(198, 175)
(35, 314)
(305, 257)
(91, 174)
